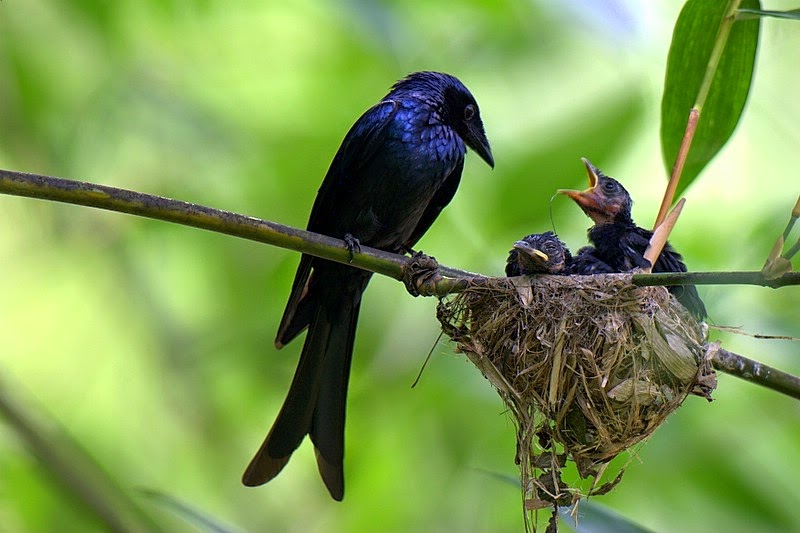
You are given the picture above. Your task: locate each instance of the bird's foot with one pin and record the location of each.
(353, 246)
(420, 274)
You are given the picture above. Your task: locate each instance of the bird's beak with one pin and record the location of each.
(476, 139)
(590, 199)
(592, 171)
(533, 253)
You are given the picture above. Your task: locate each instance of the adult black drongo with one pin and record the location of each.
(618, 242)
(397, 168)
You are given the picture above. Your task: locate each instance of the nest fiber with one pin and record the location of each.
(588, 365)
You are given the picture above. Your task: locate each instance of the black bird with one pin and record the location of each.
(397, 168)
(538, 253)
(618, 242)
(586, 262)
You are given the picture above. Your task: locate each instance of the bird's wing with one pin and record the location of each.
(512, 264)
(299, 309)
(634, 243)
(586, 262)
(437, 203)
(669, 261)
(357, 148)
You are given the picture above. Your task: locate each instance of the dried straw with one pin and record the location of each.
(588, 365)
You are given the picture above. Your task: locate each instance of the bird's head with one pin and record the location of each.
(605, 201)
(456, 106)
(462, 114)
(541, 253)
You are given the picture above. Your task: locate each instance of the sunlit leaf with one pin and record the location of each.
(692, 43)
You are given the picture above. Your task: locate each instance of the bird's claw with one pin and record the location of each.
(420, 274)
(353, 245)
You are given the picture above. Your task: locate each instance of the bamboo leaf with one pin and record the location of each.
(80, 478)
(690, 54)
(204, 521)
(596, 518)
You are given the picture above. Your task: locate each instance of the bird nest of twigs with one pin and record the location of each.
(589, 366)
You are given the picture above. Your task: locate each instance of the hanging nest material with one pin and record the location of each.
(588, 365)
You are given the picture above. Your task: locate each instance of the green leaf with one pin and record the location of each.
(693, 40)
(81, 479)
(202, 520)
(595, 518)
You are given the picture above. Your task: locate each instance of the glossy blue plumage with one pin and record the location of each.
(397, 168)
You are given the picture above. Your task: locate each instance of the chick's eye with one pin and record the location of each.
(469, 112)
(609, 186)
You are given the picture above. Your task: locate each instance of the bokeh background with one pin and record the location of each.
(151, 344)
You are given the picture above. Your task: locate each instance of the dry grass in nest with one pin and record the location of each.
(588, 365)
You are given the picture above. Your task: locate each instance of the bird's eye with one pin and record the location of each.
(609, 186)
(469, 112)
(549, 247)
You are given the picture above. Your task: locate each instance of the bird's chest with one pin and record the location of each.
(618, 246)
(418, 170)
(423, 150)
(390, 213)
(397, 186)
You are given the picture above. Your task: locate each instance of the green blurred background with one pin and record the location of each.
(151, 344)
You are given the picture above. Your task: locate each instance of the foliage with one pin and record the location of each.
(695, 73)
(151, 345)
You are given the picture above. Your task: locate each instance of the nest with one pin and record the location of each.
(588, 365)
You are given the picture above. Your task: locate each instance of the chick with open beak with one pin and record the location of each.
(618, 244)
(605, 201)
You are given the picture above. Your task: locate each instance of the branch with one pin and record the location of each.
(198, 216)
(755, 372)
(385, 263)
(660, 235)
(307, 242)
(677, 167)
(715, 278)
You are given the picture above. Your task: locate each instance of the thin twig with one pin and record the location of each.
(677, 168)
(661, 234)
(715, 278)
(199, 216)
(792, 219)
(725, 27)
